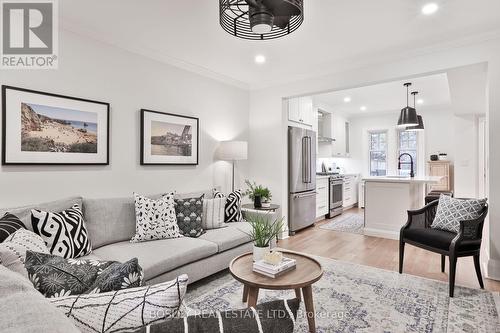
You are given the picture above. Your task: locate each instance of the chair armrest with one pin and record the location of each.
(470, 230)
(424, 216)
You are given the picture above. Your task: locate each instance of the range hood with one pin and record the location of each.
(325, 139)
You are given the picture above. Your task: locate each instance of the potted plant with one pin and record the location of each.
(263, 231)
(261, 196)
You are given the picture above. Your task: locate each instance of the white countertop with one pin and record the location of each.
(322, 177)
(398, 179)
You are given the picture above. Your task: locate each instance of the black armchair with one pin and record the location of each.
(418, 232)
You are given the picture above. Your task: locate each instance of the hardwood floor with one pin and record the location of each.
(381, 253)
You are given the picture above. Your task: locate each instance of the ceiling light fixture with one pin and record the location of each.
(420, 126)
(363, 108)
(260, 59)
(260, 19)
(408, 115)
(347, 99)
(430, 8)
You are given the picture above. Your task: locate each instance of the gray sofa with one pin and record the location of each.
(111, 225)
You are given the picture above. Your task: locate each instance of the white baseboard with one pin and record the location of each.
(381, 233)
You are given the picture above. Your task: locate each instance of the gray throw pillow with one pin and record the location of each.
(213, 213)
(55, 276)
(271, 317)
(13, 250)
(189, 213)
(451, 211)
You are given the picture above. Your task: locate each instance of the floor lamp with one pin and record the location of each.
(233, 151)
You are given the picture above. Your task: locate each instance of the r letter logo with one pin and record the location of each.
(29, 34)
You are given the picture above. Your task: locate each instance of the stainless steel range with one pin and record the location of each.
(336, 196)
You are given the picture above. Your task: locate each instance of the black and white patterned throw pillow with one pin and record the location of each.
(233, 205)
(451, 211)
(125, 310)
(64, 233)
(55, 276)
(9, 224)
(214, 213)
(189, 212)
(271, 317)
(155, 219)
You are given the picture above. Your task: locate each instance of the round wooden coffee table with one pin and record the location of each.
(307, 272)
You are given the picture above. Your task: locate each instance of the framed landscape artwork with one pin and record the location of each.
(168, 139)
(47, 129)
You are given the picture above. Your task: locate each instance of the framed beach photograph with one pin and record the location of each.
(168, 139)
(41, 128)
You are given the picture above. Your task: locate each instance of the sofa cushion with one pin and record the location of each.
(230, 237)
(24, 212)
(23, 309)
(159, 256)
(439, 239)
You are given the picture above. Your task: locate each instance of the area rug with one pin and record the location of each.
(354, 298)
(350, 223)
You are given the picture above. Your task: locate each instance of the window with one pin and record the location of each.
(378, 153)
(408, 143)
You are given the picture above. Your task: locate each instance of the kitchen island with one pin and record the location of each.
(387, 200)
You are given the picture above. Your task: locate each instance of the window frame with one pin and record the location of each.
(416, 150)
(370, 151)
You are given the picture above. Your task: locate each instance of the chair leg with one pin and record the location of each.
(443, 258)
(453, 268)
(401, 255)
(477, 265)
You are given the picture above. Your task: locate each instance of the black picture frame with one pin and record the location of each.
(5, 138)
(143, 113)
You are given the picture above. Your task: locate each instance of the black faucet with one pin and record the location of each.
(412, 173)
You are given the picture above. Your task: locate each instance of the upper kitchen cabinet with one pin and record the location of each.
(341, 134)
(300, 111)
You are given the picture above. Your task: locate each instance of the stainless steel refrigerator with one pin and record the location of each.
(301, 178)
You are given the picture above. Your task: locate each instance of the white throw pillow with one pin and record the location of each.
(451, 211)
(64, 233)
(155, 219)
(13, 250)
(213, 213)
(125, 310)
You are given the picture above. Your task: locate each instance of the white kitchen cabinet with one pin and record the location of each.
(321, 197)
(350, 190)
(341, 134)
(300, 111)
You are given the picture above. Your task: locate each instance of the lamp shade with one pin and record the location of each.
(233, 150)
(408, 117)
(419, 127)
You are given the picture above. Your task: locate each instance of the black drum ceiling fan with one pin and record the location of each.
(261, 19)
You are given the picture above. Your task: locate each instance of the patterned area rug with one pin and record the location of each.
(355, 298)
(350, 223)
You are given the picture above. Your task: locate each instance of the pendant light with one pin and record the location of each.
(420, 126)
(408, 116)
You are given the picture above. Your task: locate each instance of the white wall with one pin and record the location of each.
(129, 82)
(444, 132)
(267, 117)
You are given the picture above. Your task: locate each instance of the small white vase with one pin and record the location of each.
(259, 252)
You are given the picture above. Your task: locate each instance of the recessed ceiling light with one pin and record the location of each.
(420, 101)
(363, 108)
(260, 59)
(347, 99)
(430, 8)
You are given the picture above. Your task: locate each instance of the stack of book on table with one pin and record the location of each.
(273, 271)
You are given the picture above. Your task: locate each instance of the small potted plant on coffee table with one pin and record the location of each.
(261, 196)
(263, 231)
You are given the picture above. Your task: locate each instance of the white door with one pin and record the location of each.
(483, 158)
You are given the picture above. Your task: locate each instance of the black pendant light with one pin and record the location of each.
(420, 126)
(261, 19)
(408, 116)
